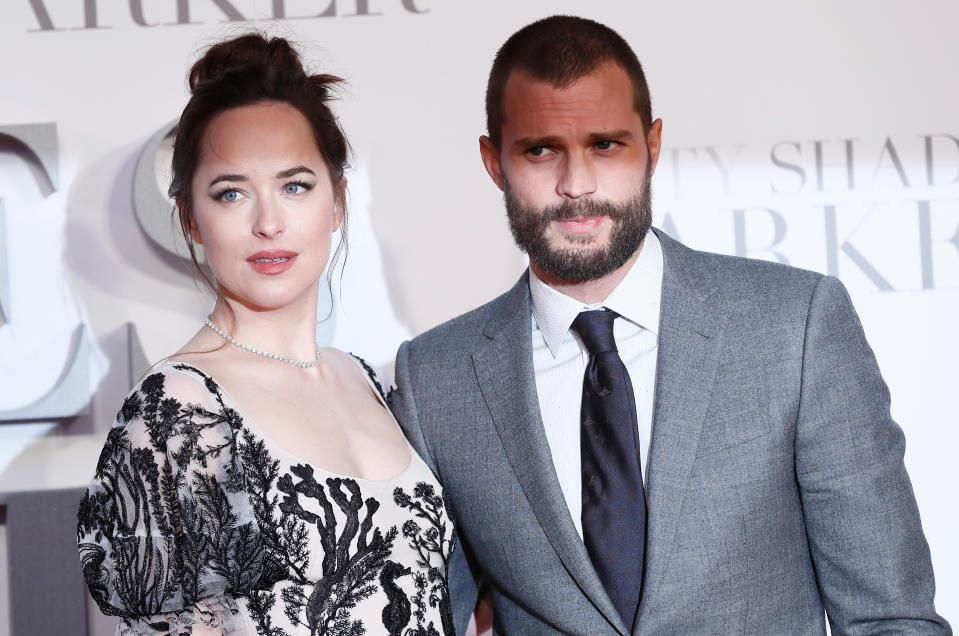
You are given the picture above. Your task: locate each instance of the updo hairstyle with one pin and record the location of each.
(241, 71)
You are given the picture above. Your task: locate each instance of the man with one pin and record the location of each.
(641, 438)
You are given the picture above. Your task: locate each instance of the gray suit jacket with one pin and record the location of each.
(776, 482)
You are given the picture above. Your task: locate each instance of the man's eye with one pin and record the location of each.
(537, 151)
(605, 145)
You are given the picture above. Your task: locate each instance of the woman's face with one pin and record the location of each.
(263, 205)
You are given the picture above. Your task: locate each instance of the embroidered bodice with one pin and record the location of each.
(195, 516)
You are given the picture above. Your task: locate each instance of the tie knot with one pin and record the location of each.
(595, 329)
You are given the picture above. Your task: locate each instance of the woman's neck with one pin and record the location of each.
(289, 331)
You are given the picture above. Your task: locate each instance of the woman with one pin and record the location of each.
(254, 482)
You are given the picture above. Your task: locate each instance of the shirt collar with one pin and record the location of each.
(636, 298)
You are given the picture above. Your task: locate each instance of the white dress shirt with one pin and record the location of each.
(559, 361)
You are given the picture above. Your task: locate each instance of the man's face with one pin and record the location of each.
(574, 165)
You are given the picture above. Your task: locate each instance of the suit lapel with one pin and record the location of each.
(689, 343)
(504, 368)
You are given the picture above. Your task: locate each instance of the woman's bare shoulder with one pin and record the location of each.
(352, 368)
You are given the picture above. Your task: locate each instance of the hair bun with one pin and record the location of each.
(246, 54)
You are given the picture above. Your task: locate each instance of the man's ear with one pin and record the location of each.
(339, 204)
(654, 142)
(490, 156)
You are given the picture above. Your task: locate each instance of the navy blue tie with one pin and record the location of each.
(614, 502)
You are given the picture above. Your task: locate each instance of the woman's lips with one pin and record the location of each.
(271, 263)
(581, 225)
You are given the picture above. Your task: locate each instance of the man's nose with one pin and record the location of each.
(578, 176)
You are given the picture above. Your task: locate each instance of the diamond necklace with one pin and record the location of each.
(265, 354)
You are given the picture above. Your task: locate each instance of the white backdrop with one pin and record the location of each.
(820, 133)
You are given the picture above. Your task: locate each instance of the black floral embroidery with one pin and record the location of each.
(428, 541)
(351, 559)
(260, 604)
(397, 613)
(131, 407)
(285, 536)
(140, 544)
(188, 510)
(374, 377)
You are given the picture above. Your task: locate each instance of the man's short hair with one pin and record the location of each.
(559, 50)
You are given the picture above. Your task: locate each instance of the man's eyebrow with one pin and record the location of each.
(612, 135)
(592, 138)
(289, 172)
(535, 142)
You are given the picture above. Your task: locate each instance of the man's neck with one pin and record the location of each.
(589, 292)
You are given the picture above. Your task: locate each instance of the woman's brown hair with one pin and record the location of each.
(241, 71)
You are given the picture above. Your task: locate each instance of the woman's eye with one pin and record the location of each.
(295, 188)
(229, 195)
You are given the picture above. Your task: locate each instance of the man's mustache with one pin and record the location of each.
(584, 208)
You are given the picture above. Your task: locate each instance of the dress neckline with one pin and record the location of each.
(251, 423)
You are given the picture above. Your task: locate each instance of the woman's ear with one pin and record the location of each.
(339, 204)
(191, 226)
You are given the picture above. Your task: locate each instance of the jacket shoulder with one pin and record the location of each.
(461, 333)
(740, 282)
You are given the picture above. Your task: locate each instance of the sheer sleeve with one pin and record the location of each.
(166, 532)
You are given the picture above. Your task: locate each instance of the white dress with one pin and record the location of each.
(197, 519)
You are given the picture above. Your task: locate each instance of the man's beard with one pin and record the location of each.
(631, 220)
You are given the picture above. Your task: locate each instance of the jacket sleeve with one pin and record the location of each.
(462, 585)
(166, 534)
(866, 541)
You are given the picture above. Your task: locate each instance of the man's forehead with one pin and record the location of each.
(607, 82)
(604, 96)
(524, 75)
